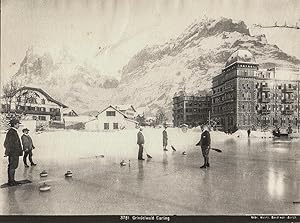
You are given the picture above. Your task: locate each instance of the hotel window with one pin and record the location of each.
(106, 125)
(116, 126)
(34, 117)
(43, 101)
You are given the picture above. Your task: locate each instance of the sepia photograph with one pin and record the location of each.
(150, 110)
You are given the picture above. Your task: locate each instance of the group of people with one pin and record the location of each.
(14, 148)
(204, 142)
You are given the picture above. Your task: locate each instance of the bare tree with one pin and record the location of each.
(9, 91)
(161, 117)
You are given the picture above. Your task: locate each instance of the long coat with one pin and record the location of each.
(12, 143)
(205, 139)
(27, 143)
(165, 138)
(140, 138)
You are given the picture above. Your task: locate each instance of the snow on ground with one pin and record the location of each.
(253, 134)
(250, 175)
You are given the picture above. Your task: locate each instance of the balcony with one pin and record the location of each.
(264, 111)
(34, 112)
(288, 90)
(265, 89)
(287, 101)
(287, 112)
(264, 100)
(229, 89)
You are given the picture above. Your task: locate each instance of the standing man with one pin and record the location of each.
(27, 147)
(165, 139)
(140, 142)
(205, 146)
(13, 149)
(249, 132)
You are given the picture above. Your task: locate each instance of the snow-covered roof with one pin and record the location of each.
(124, 107)
(285, 73)
(110, 106)
(68, 110)
(49, 98)
(243, 56)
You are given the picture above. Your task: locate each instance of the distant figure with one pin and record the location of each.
(13, 149)
(205, 146)
(249, 132)
(27, 147)
(140, 142)
(289, 129)
(165, 139)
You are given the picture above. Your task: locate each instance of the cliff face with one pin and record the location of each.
(150, 79)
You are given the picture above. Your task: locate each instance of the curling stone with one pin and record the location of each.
(183, 153)
(44, 173)
(69, 173)
(123, 163)
(45, 187)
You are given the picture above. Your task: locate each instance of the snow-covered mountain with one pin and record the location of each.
(69, 80)
(190, 61)
(151, 77)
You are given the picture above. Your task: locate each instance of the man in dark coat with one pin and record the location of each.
(27, 147)
(13, 149)
(165, 139)
(249, 132)
(140, 142)
(205, 146)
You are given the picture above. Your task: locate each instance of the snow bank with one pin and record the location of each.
(254, 134)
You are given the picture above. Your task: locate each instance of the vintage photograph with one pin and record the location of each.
(150, 108)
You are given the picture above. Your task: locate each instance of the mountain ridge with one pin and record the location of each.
(153, 75)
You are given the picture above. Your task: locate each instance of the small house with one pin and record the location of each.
(111, 118)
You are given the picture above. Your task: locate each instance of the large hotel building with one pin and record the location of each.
(244, 96)
(192, 110)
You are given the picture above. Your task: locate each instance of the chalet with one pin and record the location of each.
(128, 110)
(111, 118)
(34, 104)
(69, 112)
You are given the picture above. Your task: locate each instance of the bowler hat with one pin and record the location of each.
(14, 121)
(26, 129)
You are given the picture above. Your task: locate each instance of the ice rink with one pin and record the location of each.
(250, 176)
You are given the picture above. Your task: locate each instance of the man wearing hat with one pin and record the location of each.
(205, 146)
(140, 142)
(13, 149)
(27, 147)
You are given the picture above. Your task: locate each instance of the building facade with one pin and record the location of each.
(244, 96)
(34, 104)
(109, 119)
(192, 110)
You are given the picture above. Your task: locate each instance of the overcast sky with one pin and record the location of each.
(83, 25)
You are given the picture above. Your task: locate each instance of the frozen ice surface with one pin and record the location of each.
(250, 176)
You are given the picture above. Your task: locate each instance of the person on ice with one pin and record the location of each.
(27, 147)
(165, 139)
(249, 132)
(13, 149)
(205, 146)
(140, 142)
